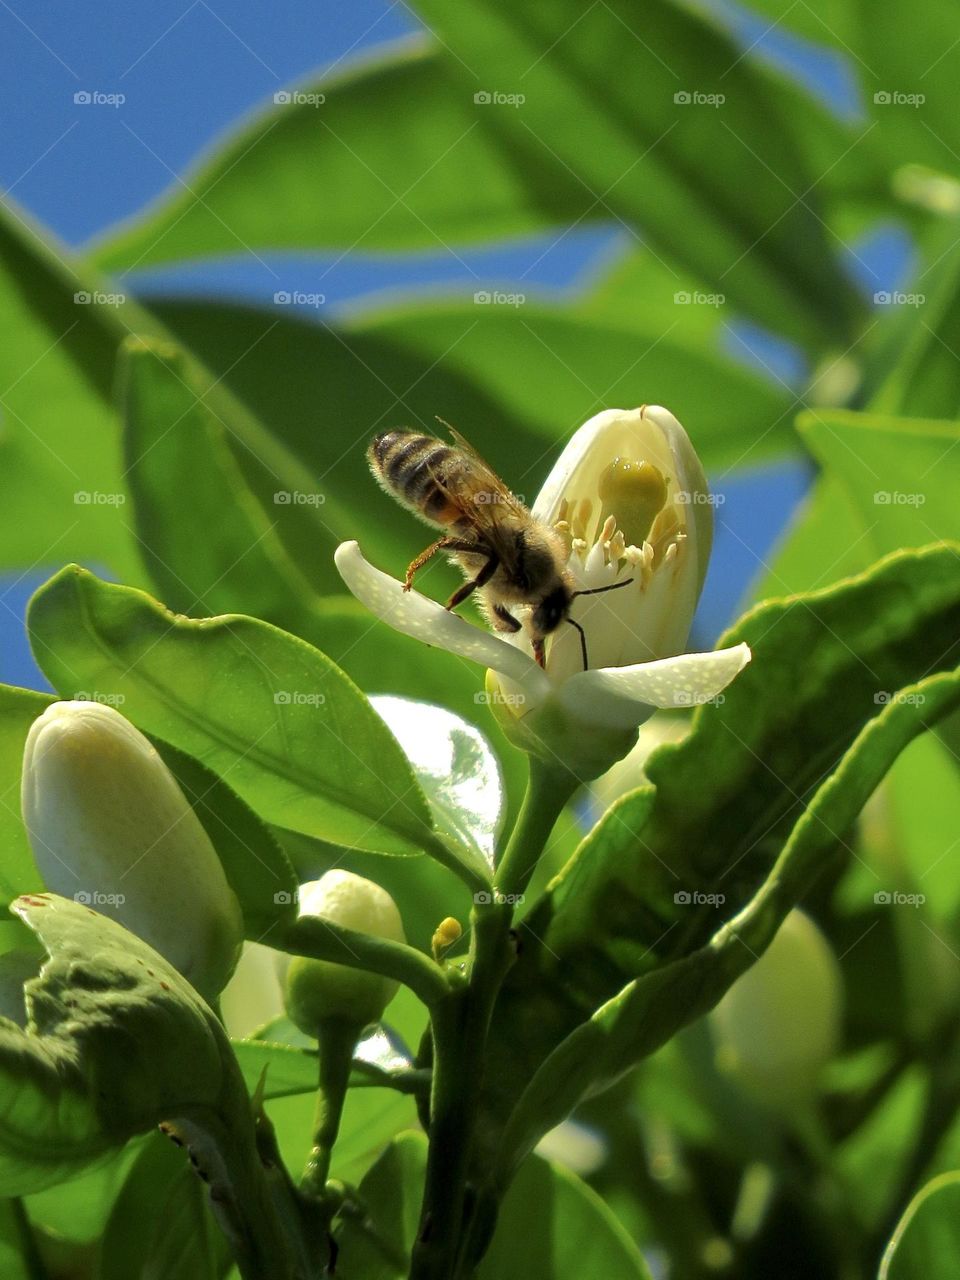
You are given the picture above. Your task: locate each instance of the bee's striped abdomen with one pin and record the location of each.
(413, 467)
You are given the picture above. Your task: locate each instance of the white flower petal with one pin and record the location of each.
(626, 696)
(415, 615)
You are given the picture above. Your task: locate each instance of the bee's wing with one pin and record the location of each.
(494, 510)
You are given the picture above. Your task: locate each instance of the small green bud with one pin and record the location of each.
(110, 828)
(319, 991)
(779, 1024)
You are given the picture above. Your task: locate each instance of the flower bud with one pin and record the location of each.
(110, 827)
(319, 991)
(779, 1024)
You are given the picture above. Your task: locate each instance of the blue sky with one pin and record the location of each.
(188, 70)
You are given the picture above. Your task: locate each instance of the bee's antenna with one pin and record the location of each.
(597, 591)
(583, 642)
(592, 591)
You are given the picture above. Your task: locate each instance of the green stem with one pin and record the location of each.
(321, 939)
(548, 791)
(460, 1031)
(460, 1024)
(29, 1251)
(337, 1042)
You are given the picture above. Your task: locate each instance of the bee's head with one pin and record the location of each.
(551, 610)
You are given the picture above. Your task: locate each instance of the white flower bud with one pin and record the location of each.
(110, 827)
(779, 1024)
(320, 991)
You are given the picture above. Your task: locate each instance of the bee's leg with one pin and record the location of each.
(421, 560)
(539, 652)
(504, 616)
(481, 580)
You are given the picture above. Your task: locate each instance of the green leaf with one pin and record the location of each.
(551, 368)
(219, 549)
(653, 1007)
(443, 174)
(258, 870)
(117, 1040)
(723, 801)
(61, 482)
(823, 666)
(551, 1224)
(160, 1224)
(18, 710)
(176, 443)
(455, 767)
(677, 172)
(13, 1258)
(78, 1210)
(925, 1243)
(270, 715)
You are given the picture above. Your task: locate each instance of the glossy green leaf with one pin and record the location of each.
(289, 1069)
(177, 443)
(653, 1007)
(676, 170)
(551, 1224)
(672, 861)
(444, 173)
(823, 666)
(266, 712)
(61, 480)
(13, 1261)
(901, 474)
(455, 767)
(927, 1239)
(78, 1210)
(18, 710)
(552, 368)
(117, 1039)
(371, 1117)
(161, 1223)
(220, 549)
(258, 870)
(887, 482)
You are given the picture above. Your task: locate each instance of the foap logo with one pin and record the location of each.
(896, 98)
(497, 298)
(294, 698)
(94, 498)
(497, 698)
(494, 98)
(694, 98)
(93, 898)
(696, 298)
(883, 698)
(697, 498)
(893, 898)
(96, 98)
(297, 98)
(487, 497)
(96, 298)
(486, 897)
(105, 699)
(896, 298)
(895, 498)
(689, 698)
(695, 898)
(297, 298)
(284, 898)
(297, 498)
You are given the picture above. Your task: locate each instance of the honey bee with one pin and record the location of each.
(509, 556)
